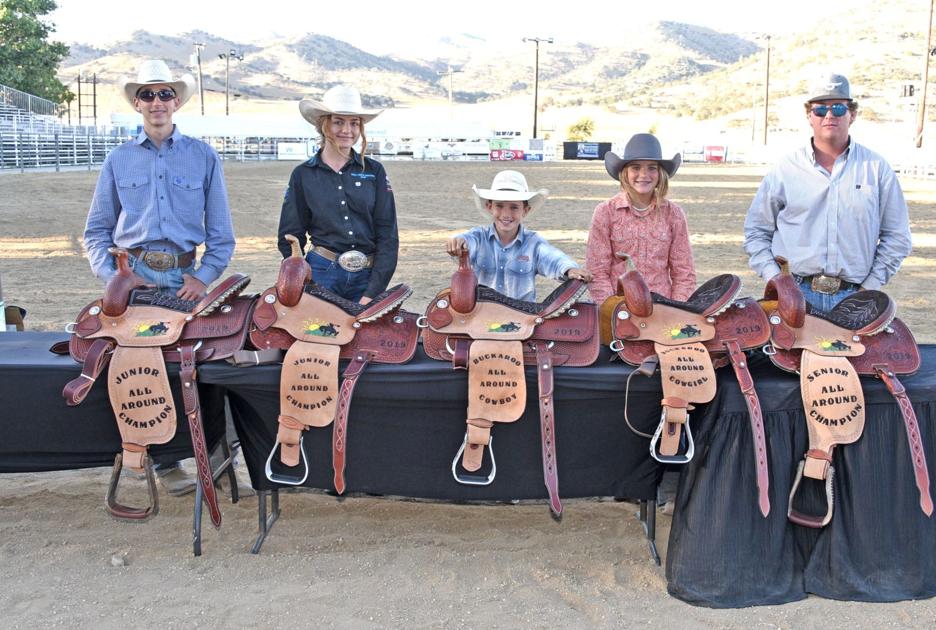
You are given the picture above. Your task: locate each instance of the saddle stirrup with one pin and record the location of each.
(467, 478)
(117, 509)
(289, 480)
(685, 437)
(807, 520)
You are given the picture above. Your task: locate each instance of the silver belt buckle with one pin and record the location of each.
(826, 284)
(159, 261)
(352, 260)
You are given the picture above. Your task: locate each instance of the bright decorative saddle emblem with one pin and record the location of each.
(503, 328)
(834, 345)
(319, 328)
(151, 329)
(687, 331)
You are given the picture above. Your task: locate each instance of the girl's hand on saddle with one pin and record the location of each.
(365, 300)
(192, 288)
(577, 273)
(456, 246)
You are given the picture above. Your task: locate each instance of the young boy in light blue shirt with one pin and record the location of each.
(505, 255)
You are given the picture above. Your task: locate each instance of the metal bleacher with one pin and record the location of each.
(32, 135)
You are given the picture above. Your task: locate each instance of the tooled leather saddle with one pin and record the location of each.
(135, 329)
(859, 336)
(316, 328)
(493, 337)
(688, 341)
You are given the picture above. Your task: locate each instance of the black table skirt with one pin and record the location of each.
(407, 422)
(879, 545)
(39, 432)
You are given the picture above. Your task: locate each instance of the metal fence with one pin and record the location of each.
(23, 149)
(27, 102)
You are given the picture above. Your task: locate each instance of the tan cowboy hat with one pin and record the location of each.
(509, 186)
(341, 99)
(155, 72)
(641, 146)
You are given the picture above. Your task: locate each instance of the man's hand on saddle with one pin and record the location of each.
(577, 273)
(456, 246)
(192, 288)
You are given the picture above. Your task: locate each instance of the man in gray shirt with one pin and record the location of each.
(832, 209)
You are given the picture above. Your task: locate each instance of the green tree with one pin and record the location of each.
(581, 130)
(28, 60)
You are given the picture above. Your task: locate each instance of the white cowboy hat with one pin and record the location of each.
(341, 99)
(509, 186)
(155, 72)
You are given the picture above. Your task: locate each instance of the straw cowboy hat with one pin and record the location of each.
(156, 72)
(509, 186)
(343, 100)
(642, 146)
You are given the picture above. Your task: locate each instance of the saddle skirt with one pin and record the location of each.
(317, 328)
(689, 340)
(860, 336)
(493, 336)
(135, 329)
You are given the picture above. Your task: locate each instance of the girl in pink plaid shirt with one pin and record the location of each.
(642, 223)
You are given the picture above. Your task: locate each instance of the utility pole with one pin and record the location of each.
(766, 87)
(921, 115)
(201, 88)
(231, 54)
(536, 40)
(449, 74)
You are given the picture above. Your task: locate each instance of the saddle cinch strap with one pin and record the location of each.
(835, 414)
(496, 393)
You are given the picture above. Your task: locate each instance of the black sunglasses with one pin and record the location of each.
(165, 95)
(838, 110)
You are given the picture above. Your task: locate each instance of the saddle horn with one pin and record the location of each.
(117, 293)
(294, 274)
(464, 285)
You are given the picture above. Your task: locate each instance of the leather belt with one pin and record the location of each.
(351, 260)
(163, 261)
(827, 285)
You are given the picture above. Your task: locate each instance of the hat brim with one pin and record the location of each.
(535, 198)
(313, 110)
(184, 88)
(614, 164)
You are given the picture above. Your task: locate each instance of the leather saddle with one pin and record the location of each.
(688, 341)
(317, 328)
(493, 337)
(859, 336)
(135, 329)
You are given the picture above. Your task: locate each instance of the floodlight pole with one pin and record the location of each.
(232, 54)
(921, 115)
(449, 74)
(536, 40)
(201, 87)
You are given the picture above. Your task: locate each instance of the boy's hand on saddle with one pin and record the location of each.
(192, 288)
(456, 246)
(577, 273)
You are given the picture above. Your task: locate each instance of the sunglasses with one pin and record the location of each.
(838, 110)
(148, 96)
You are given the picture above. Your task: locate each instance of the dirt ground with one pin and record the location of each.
(373, 562)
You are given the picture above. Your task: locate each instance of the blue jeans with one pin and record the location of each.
(170, 280)
(327, 274)
(823, 301)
